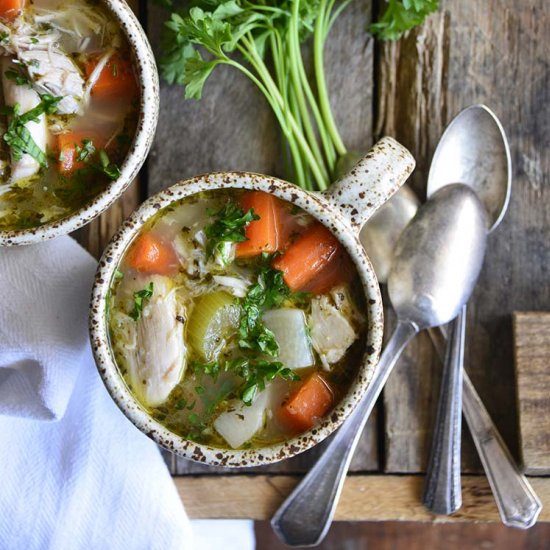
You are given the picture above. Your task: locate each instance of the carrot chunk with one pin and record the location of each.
(72, 145)
(264, 234)
(338, 271)
(151, 255)
(307, 256)
(10, 9)
(116, 79)
(313, 399)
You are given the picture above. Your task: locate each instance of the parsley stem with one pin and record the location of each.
(319, 35)
(295, 57)
(319, 172)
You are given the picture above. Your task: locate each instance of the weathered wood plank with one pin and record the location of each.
(231, 127)
(364, 498)
(532, 348)
(493, 52)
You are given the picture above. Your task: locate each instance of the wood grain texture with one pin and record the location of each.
(532, 349)
(232, 127)
(364, 498)
(493, 52)
(406, 535)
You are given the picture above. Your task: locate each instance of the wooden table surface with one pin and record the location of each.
(493, 52)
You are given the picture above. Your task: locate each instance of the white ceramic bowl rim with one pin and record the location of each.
(149, 99)
(321, 208)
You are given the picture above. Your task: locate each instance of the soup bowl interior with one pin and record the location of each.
(320, 208)
(147, 78)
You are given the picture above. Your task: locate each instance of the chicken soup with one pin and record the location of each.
(69, 108)
(235, 319)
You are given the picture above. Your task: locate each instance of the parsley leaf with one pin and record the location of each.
(84, 152)
(19, 138)
(110, 169)
(401, 16)
(228, 226)
(268, 292)
(139, 297)
(18, 77)
(256, 372)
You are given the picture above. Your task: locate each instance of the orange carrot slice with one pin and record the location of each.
(264, 234)
(149, 254)
(117, 78)
(338, 271)
(313, 399)
(10, 9)
(307, 256)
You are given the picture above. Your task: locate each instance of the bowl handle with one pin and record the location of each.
(371, 182)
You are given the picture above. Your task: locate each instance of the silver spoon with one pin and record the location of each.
(474, 151)
(432, 275)
(474, 132)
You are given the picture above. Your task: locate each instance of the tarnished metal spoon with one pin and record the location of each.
(437, 260)
(473, 150)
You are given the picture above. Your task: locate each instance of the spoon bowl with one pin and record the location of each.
(474, 151)
(438, 257)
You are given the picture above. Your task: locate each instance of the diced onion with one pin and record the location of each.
(290, 330)
(240, 422)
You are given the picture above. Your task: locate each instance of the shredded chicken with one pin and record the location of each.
(331, 323)
(48, 66)
(27, 99)
(157, 359)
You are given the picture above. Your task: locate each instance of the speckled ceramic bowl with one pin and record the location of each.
(343, 209)
(147, 74)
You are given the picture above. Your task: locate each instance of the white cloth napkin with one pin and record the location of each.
(75, 472)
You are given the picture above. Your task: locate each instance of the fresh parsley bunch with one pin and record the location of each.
(262, 39)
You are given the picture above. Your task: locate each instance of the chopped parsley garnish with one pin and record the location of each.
(228, 226)
(139, 297)
(18, 77)
(110, 169)
(268, 292)
(254, 372)
(86, 151)
(18, 136)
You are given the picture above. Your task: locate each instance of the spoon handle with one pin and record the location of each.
(442, 490)
(305, 516)
(516, 500)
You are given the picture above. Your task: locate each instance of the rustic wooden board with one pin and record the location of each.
(532, 347)
(495, 52)
(231, 127)
(364, 498)
(469, 52)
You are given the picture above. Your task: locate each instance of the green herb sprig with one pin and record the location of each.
(139, 301)
(263, 41)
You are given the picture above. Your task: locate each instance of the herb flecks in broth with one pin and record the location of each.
(264, 352)
(70, 104)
